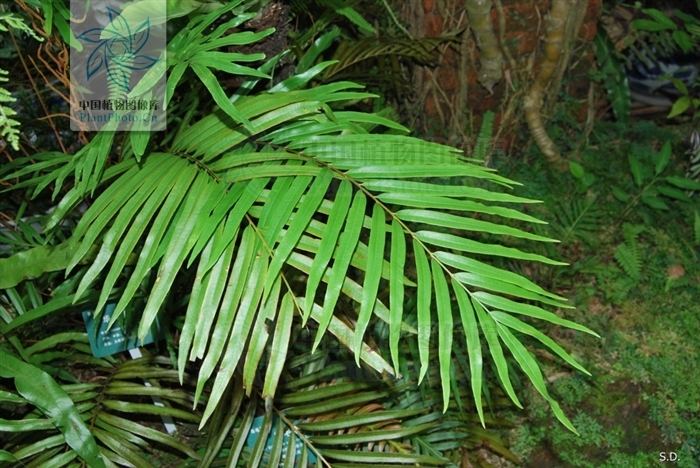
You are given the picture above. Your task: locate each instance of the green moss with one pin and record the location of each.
(644, 396)
(637, 460)
(571, 390)
(588, 449)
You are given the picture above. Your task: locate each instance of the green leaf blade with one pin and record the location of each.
(396, 289)
(471, 331)
(372, 276)
(445, 332)
(41, 390)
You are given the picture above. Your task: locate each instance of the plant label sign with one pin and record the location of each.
(298, 444)
(106, 342)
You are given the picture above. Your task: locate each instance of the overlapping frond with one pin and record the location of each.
(458, 430)
(279, 207)
(362, 55)
(308, 187)
(325, 413)
(55, 425)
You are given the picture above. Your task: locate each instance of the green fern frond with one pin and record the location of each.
(350, 55)
(16, 22)
(242, 237)
(629, 259)
(578, 219)
(333, 9)
(631, 231)
(328, 410)
(8, 125)
(614, 76)
(483, 140)
(349, 12)
(449, 438)
(58, 15)
(628, 254)
(282, 207)
(244, 210)
(85, 420)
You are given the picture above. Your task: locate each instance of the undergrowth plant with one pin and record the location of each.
(656, 37)
(9, 126)
(667, 36)
(636, 279)
(628, 254)
(653, 188)
(373, 57)
(626, 175)
(281, 208)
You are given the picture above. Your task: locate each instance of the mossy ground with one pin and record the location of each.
(642, 402)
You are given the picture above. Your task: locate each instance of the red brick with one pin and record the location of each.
(582, 113)
(578, 86)
(522, 21)
(593, 10)
(472, 81)
(483, 100)
(430, 106)
(588, 31)
(449, 80)
(521, 42)
(521, 16)
(433, 25)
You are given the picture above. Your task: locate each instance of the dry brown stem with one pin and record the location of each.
(491, 70)
(560, 26)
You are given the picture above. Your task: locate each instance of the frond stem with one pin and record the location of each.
(198, 163)
(403, 225)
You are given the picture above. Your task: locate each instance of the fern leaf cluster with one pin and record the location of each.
(578, 219)
(332, 11)
(240, 202)
(60, 423)
(483, 139)
(8, 126)
(327, 410)
(628, 254)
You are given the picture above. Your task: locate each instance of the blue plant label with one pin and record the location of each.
(106, 342)
(298, 443)
(118, 65)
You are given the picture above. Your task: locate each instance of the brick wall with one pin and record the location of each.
(524, 35)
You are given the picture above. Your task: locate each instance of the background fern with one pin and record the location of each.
(9, 126)
(628, 254)
(483, 139)
(575, 219)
